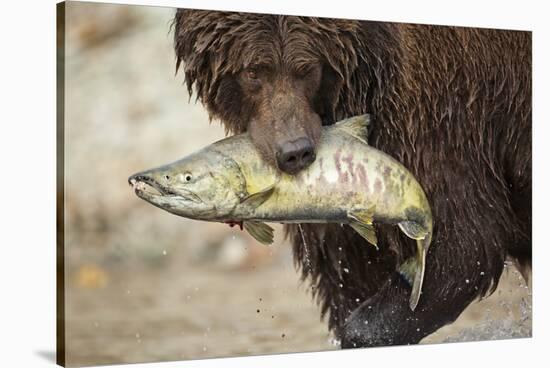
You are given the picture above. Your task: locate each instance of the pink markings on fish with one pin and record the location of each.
(362, 176)
(377, 186)
(349, 160)
(342, 175)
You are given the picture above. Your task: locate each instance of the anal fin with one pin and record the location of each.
(361, 221)
(259, 231)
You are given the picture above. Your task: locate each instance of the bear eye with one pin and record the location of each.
(308, 70)
(252, 73)
(253, 76)
(303, 72)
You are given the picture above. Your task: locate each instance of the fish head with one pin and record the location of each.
(205, 186)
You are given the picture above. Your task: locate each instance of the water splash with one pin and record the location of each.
(499, 328)
(334, 341)
(525, 310)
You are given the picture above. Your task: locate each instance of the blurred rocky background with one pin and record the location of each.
(144, 285)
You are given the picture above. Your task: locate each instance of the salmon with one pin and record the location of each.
(349, 183)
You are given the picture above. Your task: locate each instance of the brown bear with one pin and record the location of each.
(452, 104)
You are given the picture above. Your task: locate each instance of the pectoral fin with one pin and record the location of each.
(256, 199)
(361, 221)
(259, 231)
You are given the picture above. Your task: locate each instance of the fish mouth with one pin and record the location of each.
(148, 188)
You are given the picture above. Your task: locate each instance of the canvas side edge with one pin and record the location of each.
(60, 184)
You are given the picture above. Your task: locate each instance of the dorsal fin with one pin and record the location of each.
(357, 126)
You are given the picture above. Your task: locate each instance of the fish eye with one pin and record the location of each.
(188, 177)
(167, 177)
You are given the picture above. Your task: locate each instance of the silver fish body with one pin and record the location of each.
(350, 182)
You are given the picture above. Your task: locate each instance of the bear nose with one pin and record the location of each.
(296, 155)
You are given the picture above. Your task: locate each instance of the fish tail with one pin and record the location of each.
(420, 267)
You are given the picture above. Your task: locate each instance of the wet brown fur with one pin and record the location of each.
(452, 104)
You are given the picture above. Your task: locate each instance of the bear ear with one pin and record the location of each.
(357, 126)
(190, 26)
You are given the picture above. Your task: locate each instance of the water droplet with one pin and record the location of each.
(204, 348)
(306, 249)
(482, 273)
(341, 285)
(467, 281)
(164, 252)
(346, 270)
(357, 300)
